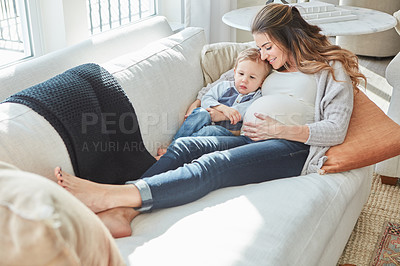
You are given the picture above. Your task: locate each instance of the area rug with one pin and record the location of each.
(382, 206)
(387, 251)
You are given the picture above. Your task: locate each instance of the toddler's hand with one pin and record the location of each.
(216, 116)
(232, 114)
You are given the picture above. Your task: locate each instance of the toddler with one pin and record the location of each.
(224, 105)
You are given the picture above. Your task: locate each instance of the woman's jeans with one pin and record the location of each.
(195, 166)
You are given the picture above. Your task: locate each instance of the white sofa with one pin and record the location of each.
(303, 220)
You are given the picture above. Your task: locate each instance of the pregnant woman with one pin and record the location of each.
(305, 109)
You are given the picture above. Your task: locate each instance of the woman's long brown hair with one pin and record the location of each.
(312, 50)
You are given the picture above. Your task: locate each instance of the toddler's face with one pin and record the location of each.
(249, 76)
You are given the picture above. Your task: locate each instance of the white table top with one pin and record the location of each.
(369, 21)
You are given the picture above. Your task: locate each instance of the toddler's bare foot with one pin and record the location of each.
(118, 221)
(98, 197)
(160, 152)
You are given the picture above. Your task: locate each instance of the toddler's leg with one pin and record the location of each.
(213, 130)
(195, 121)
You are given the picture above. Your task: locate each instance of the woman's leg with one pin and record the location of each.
(246, 164)
(101, 197)
(252, 163)
(98, 197)
(118, 220)
(185, 150)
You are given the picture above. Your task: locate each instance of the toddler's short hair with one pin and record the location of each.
(254, 55)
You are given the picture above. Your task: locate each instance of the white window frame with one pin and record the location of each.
(31, 28)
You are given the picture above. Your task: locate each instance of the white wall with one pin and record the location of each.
(173, 10)
(208, 15)
(61, 23)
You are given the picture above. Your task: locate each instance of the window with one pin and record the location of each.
(36, 27)
(107, 14)
(14, 31)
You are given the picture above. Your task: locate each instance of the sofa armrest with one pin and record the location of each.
(391, 167)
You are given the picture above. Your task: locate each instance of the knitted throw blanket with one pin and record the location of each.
(95, 119)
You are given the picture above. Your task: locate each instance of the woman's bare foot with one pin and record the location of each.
(160, 152)
(118, 221)
(99, 197)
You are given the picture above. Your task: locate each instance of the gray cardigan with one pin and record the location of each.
(333, 108)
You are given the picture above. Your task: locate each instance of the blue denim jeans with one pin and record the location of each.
(198, 123)
(193, 167)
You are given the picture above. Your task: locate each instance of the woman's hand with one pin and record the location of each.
(194, 105)
(269, 128)
(265, 128)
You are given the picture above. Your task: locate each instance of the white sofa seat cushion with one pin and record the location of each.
(272, 223)
(161, 81)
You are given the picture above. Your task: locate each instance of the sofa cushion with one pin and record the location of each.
(371, 137)
(217, 58)
(43, 224)
(161, 81)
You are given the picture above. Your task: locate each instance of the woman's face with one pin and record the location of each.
(270, 51)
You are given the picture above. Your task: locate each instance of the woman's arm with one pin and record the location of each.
(334, 108)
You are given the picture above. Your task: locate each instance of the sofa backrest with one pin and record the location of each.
(161, 80)
(98, 49)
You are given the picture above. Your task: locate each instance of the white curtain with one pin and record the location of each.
(208, 15)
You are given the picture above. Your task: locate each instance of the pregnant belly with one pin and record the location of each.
(284, 108)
